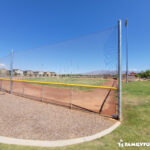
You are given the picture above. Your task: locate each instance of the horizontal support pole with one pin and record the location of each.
(65, 84)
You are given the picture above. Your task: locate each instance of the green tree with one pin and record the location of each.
(145, 74)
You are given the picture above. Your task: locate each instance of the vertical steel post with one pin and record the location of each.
(126, 24)
(23, 89)
(71, 98)
(42, 93)
(11, 70)
(119, 72)
(1, 85)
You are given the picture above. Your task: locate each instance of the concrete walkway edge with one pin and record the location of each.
(59, 143)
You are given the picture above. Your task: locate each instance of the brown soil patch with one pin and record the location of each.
(26, 119)
(88, 100)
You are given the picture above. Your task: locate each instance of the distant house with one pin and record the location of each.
(17, 72)
(28, 73)
(38, 73)
(132, 74)
(4, 72)
(53, 73)
(47, 74)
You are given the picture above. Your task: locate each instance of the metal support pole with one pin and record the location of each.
(71, 98)
(23, 89)
(126, 24)
(11, 71)
(42, 93)
(119, 71)
(1, 85)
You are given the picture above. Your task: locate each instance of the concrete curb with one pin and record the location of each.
(59, 143)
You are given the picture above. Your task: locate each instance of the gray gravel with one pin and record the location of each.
(27, 119)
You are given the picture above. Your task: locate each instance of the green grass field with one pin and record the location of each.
(82, 81)
(135, 126)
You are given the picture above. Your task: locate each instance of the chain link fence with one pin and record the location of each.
(78, 73)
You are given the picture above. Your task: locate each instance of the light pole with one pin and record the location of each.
(126, 25)
(119, 71)
(11, 70)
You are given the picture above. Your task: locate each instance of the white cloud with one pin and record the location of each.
(2, 65)
(134, 69)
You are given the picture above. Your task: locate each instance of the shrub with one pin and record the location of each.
(145, 74)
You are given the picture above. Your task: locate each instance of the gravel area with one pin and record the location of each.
(28, 119)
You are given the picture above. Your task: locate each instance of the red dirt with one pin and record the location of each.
(90, 100)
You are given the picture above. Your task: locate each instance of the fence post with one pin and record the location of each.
(42, 92)
(71, 98)
(1, 85)
(119, 72)
(11, 71)
(23, 89)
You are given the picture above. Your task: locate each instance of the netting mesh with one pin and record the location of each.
(5, 66)
(95, 53)
(88, 60)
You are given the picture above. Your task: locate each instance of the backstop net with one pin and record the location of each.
(77, 73)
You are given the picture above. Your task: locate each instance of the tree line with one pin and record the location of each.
(144, 74)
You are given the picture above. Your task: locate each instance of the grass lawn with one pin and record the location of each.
(82, 81)
(135, 126)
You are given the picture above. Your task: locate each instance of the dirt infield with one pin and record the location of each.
(26, 119)
(86, 100)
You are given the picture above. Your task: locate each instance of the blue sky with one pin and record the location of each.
(29, 24)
